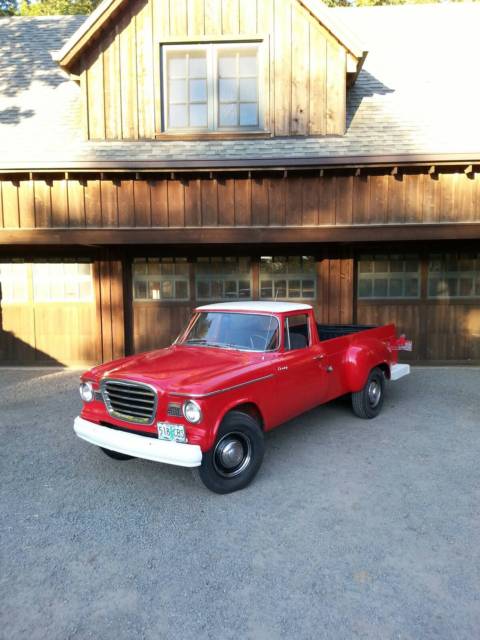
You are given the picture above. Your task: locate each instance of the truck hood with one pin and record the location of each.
(181, 369)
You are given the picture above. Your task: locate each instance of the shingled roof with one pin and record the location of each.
(415, 96)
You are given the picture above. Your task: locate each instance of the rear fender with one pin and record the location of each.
(361, 358)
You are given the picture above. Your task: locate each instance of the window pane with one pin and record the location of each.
(178, 91)
(365, 266)
(281, 288)
(396, 266)
(308, 289)
(248, 65)
(380, 288)
(396, 288)
(177, 66)
(365, 288)
(154, 290)
(244, 289)
(381, 266)
(466, 287)
(294, 289)
(181, 290)
(198, 115)
(217, 289)
(154, 268)
(248, 90)
(228, 90)
(248, 115)
(433, 287)
(230, 289)
(411, 288)
(197, 66)
(228, 115)
(167, 268)
(178, 116)
(139, 267)
(167, 289)
(227, 66)
(266, 289)
(85, 290)
(198, 90)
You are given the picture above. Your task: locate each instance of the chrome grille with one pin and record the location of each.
(129, 401)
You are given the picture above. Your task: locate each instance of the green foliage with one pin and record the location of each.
(8, 7)
(56, 7)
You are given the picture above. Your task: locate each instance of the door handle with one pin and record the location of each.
(319, 357)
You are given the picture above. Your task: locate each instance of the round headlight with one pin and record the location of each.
(192, 412)
(86, 391)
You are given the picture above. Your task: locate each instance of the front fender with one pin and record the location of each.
(361, 358)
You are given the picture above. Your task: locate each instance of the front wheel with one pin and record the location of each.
(235, 458)
(367, 402)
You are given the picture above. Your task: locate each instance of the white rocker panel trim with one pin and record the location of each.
(131, 444)
(398, 371)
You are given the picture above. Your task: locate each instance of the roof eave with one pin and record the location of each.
(246, 164)
(95, 21)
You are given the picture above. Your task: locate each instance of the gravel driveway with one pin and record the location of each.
(352, 528)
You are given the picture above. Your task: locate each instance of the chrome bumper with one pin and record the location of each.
(131, 444)
(397, 371)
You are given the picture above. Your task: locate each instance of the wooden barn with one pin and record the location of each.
(164, 153)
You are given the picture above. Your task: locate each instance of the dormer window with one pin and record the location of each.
(211, 88)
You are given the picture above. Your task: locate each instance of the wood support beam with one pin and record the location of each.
(242, 235)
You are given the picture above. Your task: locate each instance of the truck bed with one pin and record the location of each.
(329, 331)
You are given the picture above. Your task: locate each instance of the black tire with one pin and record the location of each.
(116, 455)
(368, 402)
(235, 458)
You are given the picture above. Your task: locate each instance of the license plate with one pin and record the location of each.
(171, 432)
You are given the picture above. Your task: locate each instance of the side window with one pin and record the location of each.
(297, 334)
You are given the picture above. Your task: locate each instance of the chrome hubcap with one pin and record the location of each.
(374, 393)
(232, 454)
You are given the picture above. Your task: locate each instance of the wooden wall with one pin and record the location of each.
(304, 72)
(239, 201)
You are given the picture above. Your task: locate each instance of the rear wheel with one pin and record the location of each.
(367, 403)
(235, 458)
(116, 455)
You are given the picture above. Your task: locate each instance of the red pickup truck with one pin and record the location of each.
(238, 370)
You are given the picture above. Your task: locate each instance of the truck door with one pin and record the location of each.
(301, 379)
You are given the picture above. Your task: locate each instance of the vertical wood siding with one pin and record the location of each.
(304, 73)
(239, 200)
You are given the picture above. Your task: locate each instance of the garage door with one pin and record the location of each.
(47, 313)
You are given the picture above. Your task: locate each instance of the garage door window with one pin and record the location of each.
(394, 276)
(223, 278)
(454, 275)
(62, 282)
(161, 279)
(13, 283)
(287, 277)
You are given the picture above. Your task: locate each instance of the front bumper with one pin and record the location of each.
(131, 444)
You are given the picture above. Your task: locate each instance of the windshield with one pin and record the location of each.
(245, 331)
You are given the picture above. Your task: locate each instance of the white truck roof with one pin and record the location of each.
(265, 306)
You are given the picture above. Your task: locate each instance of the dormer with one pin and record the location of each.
(201, 69)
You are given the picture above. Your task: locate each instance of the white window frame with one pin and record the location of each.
(403, 275)
(213, 104)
